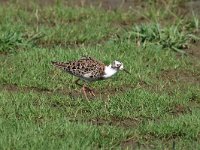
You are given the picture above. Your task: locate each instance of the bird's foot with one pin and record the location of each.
(87, 90)
(90, 91)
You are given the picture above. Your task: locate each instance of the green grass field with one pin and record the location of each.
(156, 107)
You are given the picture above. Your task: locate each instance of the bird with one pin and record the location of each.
(89, 69)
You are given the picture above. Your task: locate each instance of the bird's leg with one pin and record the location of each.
(76, 82)
(90, 91)
(85, 89)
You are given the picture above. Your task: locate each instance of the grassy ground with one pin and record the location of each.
(157, 107)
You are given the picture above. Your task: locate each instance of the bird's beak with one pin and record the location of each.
(126, 71)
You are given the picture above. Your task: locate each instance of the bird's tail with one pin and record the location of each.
(55, 63)
(60, 65)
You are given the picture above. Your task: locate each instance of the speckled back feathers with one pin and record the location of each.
(86, 68)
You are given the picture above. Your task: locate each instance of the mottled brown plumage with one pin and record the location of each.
(85, 68)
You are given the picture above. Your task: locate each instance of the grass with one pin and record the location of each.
(156, 107)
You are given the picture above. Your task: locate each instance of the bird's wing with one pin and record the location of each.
(85, 67)
(92, 67)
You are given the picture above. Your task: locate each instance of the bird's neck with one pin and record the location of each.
(109, 71)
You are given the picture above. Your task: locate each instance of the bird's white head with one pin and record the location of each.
(114, 68)
(117, 65)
